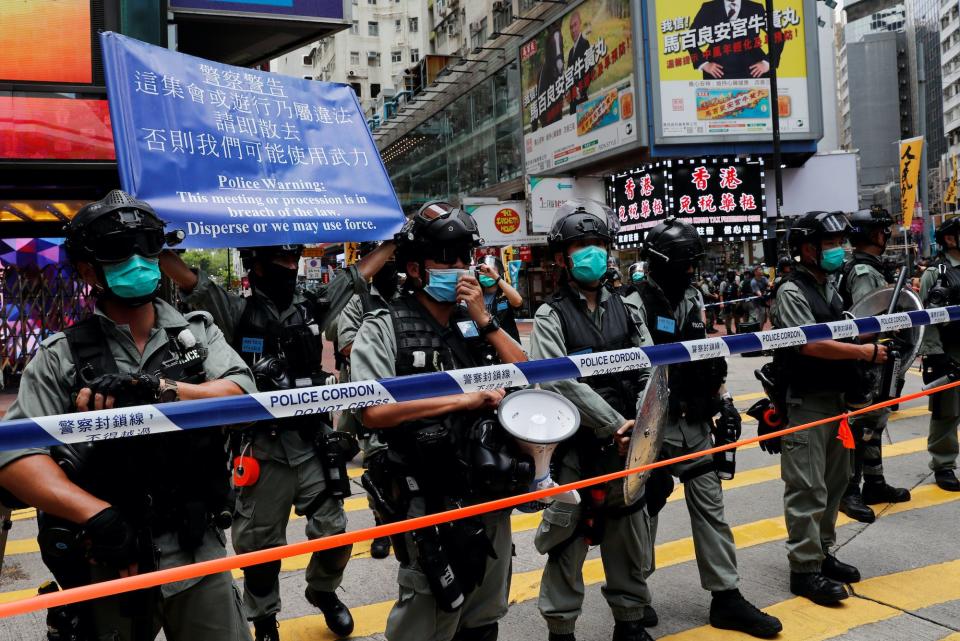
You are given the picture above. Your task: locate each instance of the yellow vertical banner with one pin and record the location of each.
(351, 253)
(950, 197)
(506, 255)
(910, 156)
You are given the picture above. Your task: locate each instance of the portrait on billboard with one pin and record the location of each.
(741, 60)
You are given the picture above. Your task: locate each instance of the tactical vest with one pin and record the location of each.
(806, 374)
(282, 354)
(500, 309)
(158, 482)
(859, 258)
(582, 336)
(693, 386)
(949, 332)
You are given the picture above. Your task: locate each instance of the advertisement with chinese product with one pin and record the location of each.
(578, 88)
(238, 157)
(711, 70)
(641, 200)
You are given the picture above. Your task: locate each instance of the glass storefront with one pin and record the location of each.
(472, 144)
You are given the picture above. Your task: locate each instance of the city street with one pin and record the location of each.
(908, 558)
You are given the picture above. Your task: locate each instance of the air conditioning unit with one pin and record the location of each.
(453, 29)
(499, 5)
(352, 73)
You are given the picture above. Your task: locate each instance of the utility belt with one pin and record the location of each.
(694, 410)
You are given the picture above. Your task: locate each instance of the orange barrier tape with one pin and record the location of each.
(196, 570)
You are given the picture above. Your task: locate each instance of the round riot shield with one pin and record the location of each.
(877, 303)
(647, 436)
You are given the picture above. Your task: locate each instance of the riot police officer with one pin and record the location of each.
(277, 331)
(939, 286)
(119, 504)
(673, 309)
(863, 274)
(812, 379)
(453, 579)
(584, 316)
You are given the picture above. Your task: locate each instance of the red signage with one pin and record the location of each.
(55, 129)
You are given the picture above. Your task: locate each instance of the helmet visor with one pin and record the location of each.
(834, 223)
(589, 206)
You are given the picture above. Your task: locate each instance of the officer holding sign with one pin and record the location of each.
(301, 461)
(118, 505)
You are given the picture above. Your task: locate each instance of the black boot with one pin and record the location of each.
(878, 491)
(853, 506)
(839, 571)
(566, 636)
(947, 480)
(380, 547)
(650, 618)
(817, 588)
(730, 611)
(335, 613)
(630, 631)
(266, 629)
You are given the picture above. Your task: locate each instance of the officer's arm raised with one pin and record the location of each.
(173, 266)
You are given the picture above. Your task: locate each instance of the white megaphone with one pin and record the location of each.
(540, 420)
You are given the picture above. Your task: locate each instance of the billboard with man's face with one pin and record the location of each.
(711, 70)
(579, 93)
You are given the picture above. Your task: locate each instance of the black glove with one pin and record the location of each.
(768, 421)
(112, 540)
(937, 366)
(728, 426)
(127, 389)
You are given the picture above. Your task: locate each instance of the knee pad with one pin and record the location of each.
(334, 560)
(260, 579)
(483, 633)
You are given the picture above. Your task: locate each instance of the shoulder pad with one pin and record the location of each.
(205, 317)
(545, 310)
(52, 340)
(377, 313)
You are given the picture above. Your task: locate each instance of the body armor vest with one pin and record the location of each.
(582, 336)
(859, 258)
(949, 332)
(155, 481)
(806, 374)
(693, 386)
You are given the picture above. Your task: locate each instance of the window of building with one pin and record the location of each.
(397, 24)
(373, 58)
(502, 16)
(396, 56)
(373, 28)
(374, 89)
(478, 32)
(414, 55)
(354, 28)
(371, 1)
(308, 77)
(414, 24)
(308, 60)
(357, 89)
(354, 57)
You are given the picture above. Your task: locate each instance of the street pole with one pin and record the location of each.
(780, 230)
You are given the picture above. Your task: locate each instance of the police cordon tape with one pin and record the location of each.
(186, 572)
(735, 300)
(144, 420)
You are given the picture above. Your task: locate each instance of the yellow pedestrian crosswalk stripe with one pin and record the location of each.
(525, 586)
(902, 591)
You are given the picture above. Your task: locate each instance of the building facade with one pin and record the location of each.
(950, 53)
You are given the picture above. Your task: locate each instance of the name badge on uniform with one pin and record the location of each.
(502, 306)
(468, 329)
(252, 345)
(667, 325)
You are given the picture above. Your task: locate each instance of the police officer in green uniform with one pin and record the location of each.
(383, 288)
(940, 286)
(130, 502)
(583, 316)
(673, 309)
(863, 274)
(453, 579)
(277, 331)
(815, 465)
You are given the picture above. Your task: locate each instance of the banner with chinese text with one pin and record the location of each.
(911, 153)
(723, 198)
(238, 157)
(641, 200)
(577, 80)
(712, 67)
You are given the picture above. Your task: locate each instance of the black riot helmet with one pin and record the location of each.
(949, 227)
(785, 262)
(581, 220)
(250, 256)
(864, 222)
(674, 244)
(113, 229)
(438, 231)
(276, 281)
(814, 226)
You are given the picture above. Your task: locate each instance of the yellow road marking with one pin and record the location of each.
(805, 621)
(749, 397)
(524, 522)
(952, 637)
(371, 619)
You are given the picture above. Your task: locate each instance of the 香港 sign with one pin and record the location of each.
(578, 89)
(238, 157)
(641, 200)
(711, 68)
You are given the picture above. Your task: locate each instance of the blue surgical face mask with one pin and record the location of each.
(589, 264)
(135, 277)
(831, 259)
(442, 284)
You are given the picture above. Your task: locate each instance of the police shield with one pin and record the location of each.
(647, 434)
(877, 303)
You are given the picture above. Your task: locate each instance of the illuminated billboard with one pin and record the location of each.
(45, 41)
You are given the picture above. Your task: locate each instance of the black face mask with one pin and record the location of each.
(673, 282)
(386, 281)
(278, 283)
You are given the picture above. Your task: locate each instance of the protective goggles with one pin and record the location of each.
(449, 255)
(118, 246)
(833, 223)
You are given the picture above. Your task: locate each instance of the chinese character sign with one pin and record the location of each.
(641, 201)
(237, 157)
(722, 198)
(578, 92)
(910, 154)
(713, 61)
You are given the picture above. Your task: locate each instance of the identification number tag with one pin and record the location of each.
(468, 329)
(252, 345)
(667, 325)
